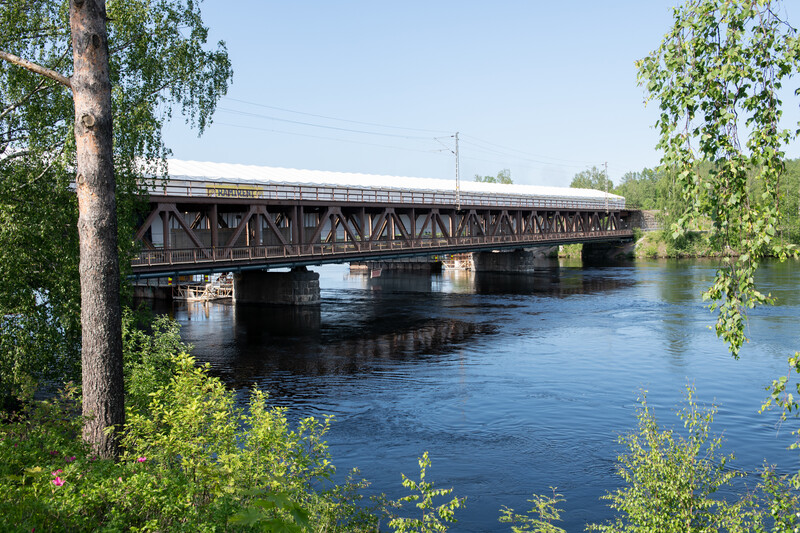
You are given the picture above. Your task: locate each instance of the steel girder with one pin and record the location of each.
(178, 234)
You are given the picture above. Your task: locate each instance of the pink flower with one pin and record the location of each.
(57, 472)
(58, 481)
(70, 459)
(53, 452)
(141, 459)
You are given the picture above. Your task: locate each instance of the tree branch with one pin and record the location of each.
(11, 107)
(38, 69)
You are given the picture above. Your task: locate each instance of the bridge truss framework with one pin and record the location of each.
(212, 228)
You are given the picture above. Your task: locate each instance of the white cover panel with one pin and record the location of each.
(252, 174)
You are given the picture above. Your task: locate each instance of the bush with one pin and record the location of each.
(539, 519)
(431, 518)
(192, 460)
(671, 479)
(149, 345)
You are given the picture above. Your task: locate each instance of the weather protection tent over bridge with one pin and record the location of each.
(195, 178)
(217, 216)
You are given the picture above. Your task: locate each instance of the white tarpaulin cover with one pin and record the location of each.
(252, 174)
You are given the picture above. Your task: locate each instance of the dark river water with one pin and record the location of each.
(513, 383)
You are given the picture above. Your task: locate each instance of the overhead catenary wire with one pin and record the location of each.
(350, 141)
(332, 118)
(474, 141)
(311, 124)
(522, 158)
(475, 144)
(478, 141)
(446, 149)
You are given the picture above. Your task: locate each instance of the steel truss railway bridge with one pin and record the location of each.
(200, 222)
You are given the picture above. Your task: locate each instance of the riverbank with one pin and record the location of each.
(659, 244)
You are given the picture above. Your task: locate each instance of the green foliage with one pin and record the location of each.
(716, 77)
(571, 250)
(433, 519)
(648, 250)
(148, 345)
(504, 176)
(671, 478)
(789, 203)
(192, 460)
(656, 190)
(781, 394)
(782, 502)
(194, 446)
(691, 244)
(539, 519)
(648, 189)
(343, 508)
(158, 59)
(592, 178)
(785, 394)
(262, 512)
(652, 189)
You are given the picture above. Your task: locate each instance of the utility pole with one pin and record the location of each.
(606, 183)
(458, 180)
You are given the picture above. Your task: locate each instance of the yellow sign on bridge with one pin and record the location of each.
(231, 190)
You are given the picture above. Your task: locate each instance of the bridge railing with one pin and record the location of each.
(246, 254)
(327, 193)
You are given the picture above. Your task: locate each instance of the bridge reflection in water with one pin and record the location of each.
(397, 317)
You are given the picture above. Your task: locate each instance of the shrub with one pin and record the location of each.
(148, 345)
(539, 519)
(431, 518)
(192, 460)
(671, 479)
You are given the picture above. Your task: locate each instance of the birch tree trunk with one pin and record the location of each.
(101, 357)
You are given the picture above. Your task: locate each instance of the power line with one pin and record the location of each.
(528, 154)
(270, 130)
(504, 150)
(476, 143)
(521, 158)
(332, 118)
(446, 148)
(267, 117)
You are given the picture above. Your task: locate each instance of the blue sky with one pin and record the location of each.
(545, 89)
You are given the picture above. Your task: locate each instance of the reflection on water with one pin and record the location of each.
(514, 383)
(257, 324)
(263, 346)
(553, 282)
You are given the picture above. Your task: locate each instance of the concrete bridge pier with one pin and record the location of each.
(297, 287)
(520, 261)
(604, 251)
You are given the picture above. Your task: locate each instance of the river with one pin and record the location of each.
(513, 383)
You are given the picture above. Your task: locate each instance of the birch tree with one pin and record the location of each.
(131, 60)
(717, 79)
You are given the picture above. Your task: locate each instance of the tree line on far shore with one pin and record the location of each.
(656, 190)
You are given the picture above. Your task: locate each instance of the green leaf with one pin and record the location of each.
(247, 517)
